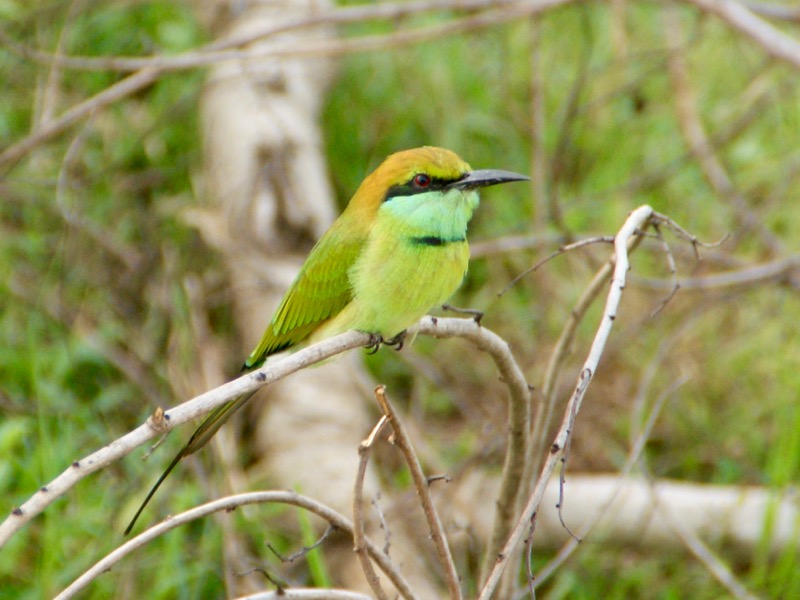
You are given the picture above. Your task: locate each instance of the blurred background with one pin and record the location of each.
(153, 211)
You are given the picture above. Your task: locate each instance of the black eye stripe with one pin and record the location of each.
(410, 188)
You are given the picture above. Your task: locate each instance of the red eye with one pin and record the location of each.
(422, 180)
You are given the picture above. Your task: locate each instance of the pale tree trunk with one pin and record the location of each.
(269, 199)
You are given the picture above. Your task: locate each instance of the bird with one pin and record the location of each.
(398, 250)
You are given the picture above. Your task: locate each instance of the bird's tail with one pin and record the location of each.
(210, 425)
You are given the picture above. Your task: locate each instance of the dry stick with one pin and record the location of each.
(638, 445)
(196, 407)
(108, 96)
(774, 11)
(633, 456)
(485, 13)
(561, 250)
(403, 443)
(636, 221)
(781, 270)
(544, 416)
(227, 504)
(572, 544)
(529, 577)
(519, 401)
(673, 271)
(364, 450)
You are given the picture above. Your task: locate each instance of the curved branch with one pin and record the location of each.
(403, 443)
(519, 409)
(636, 222)
(229, 503)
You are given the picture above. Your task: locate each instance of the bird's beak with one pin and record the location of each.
(485, 178)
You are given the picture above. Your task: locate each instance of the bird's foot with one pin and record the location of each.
(376, 341)
(477, 315)
(397, 341)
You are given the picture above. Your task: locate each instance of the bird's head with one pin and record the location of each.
(422, 171)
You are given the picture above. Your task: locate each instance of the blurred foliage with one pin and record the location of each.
(95, 257)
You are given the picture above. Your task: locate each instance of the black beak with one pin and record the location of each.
(485, 178)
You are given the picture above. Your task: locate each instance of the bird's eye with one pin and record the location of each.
(421, 180)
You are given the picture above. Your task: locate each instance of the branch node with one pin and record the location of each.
(158, 420)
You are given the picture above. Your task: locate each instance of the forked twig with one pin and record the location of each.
(636, 221)
(403, 443)
(561, 250)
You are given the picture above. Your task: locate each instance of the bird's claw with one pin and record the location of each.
(397, 341)
(374, 344)
(376, 341)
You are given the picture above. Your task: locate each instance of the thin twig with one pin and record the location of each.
(540, 168)
(230, 503)
(529, 576)
(637, 447)
(519, 398)
(601, 239)
(305, 549)
(636, 221)
(783, 270)
(482, 13)
(673, 271)
(544, 416)
(359, 538)
(47, 131)
(387, 533)
(718, 569)
(403, 443)
(562, 476)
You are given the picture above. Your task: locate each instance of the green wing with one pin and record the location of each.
(320, 291)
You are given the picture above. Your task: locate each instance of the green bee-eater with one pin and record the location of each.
(398, 250)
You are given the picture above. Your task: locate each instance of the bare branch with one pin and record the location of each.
(519, 398)
(227, 504)
(783, 270)
(561, 250)
(636, 221)
(47, 131)
(364, 450)
(403, 442)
